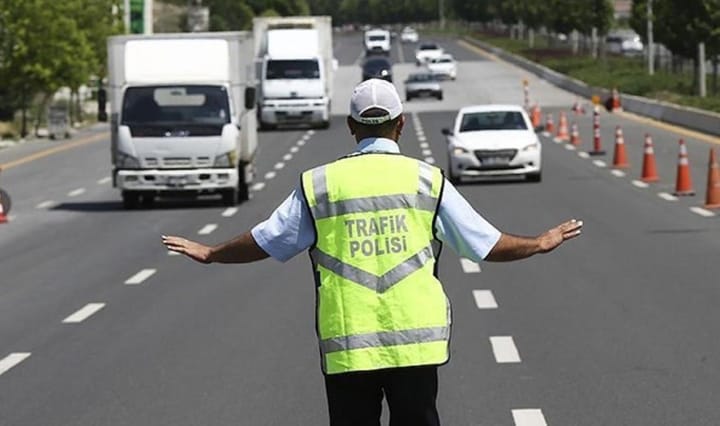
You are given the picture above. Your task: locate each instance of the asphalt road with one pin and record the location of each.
(618, 327)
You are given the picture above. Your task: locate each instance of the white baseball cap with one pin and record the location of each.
(375, 94)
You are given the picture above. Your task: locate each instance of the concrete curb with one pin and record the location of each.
(688, 117)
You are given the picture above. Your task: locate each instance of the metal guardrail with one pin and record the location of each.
(691, 118)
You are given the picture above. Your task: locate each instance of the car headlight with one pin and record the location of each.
(456, 150)
(226, 160)
(384, 73)
(532, 147)
(125, 161)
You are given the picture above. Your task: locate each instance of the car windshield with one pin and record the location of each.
(492, 120)
(292, 69)
(444, 61)
(428, 47)
(377, 65)
(207, 105)
(421, 77)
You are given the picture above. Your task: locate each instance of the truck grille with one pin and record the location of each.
(176, 162)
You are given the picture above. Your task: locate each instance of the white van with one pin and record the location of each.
(377, 41)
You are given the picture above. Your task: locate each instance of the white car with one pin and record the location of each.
(426, 52)
(493, 140)
(409, 35)
(443, 66)
(377, 41)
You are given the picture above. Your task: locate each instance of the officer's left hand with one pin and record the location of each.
(196, 251)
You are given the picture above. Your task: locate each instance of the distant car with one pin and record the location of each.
(427, 51)
(377, 67)
(409, 35)
(422, 84)
(493, 140)
(377, 40)
(444, 66)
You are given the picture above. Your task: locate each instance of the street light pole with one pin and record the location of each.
(651, 44)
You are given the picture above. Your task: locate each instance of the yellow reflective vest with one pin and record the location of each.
(379, 303)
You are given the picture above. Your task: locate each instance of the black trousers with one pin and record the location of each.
(355, 399)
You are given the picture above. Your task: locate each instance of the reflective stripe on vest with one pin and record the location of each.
(379, 303)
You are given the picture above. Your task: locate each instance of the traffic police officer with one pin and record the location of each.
(373, 222)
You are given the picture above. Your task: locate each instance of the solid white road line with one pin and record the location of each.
(257, 186)
(207, 229)
(528, 417)
(484, 299)
(83, 313)
(104, 180)
(287, 157)
(640, 184)
(583, 155)
(667, 197)
(12, 360)
(426, 152)
(230, 211)
(140, 276)
(45, 204)
(468, 266)
(600, 163)
(294, 149)
(270, 175)
(504, 349)
(429, 160)
(702, 212)
(279, 165)
(618, 173)
(76, 192)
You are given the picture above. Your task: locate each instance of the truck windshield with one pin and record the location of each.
(292, 69)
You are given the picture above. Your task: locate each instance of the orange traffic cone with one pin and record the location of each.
(649, 168)
(712, 197)
(683, 183)
(3, 218)
(597, 143)
(549, 125)
(536, 116)
(620, 160)
(562, 132)
(616, 105)
(575, 135)
(578, 108)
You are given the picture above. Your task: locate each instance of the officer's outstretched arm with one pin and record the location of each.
(242, 249)
(512, 247)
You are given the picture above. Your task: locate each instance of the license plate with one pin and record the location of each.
(494, 161)
(177, 181)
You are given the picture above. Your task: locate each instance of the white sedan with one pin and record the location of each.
(444, 66)
(409, 35)
(493, 140)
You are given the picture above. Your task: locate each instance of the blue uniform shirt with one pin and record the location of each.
(289, 230)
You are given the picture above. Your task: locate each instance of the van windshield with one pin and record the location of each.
(189, 109)
(377, 38)
(292, 69)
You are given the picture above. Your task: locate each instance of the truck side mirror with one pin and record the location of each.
(249, 97)
(102, 103)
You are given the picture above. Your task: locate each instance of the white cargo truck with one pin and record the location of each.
(295, 67)
(181, 115)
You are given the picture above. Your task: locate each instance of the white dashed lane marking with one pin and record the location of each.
(83, 313)
(45, 204)
(504, 349)
(424, 145)
(583, 155)
(600, 163)
(667, 197)
(230, 211)
(140, 276)
(528, 417)
(12, 360)
(640, 184)
(429, 160)
(426, 152)
(570, 147)
(294, 149)
(173, 253)
(484, 299)
(257, 186)
(301, 142)
(279, 165)
(104, 180)
(702, 212)
(76, 192)
(207, 229)
(468, 266)
(270, 175)
(287, 157)
(618, 173)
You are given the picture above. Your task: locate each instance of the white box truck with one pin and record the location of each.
(295, 67)
(181, 115)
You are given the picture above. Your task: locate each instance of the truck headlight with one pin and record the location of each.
(226, 160)
(125, 161)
